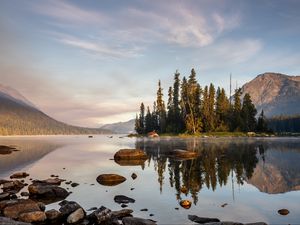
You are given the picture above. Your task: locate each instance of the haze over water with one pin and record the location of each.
(254, 176)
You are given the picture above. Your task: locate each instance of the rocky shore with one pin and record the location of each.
(22, 203)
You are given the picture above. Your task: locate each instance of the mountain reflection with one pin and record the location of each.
(221, 161)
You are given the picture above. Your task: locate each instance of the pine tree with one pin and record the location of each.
(142, 119)
(222, 110)
(170, 111)
(148, 121)
(211, 107)
(161, 110)
(177, 123)
(248, 114)
(137, 124)
(262, 125)
(236, 120)
(205, 109)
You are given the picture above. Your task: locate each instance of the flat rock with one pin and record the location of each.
(130, 154)
(5, 150)
(53, 214)
(14, 208)
(19, 175)
(9, 221)
(13, 186)
(32, 217)
(50, 181)
(47, 192)
(122, 213)
(76, 216)
(137, 221)
(110, 179)
(198, 219)
(283, 212)
(123, 199)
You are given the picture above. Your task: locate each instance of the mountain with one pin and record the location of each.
(275, 93)
(18, 116)
(121, 127)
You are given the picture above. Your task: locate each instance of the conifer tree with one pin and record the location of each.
(262, 123)
(222, 110)
(177, 123)
(148, 121)
(170, 111)
(161, 110)
(248, 114)
(237, 107)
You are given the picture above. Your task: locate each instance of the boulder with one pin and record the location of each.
(130, 162)
(76, 216)
(122, 213)
(47, 192)
(53, 214)
(130, 154)
(5, 150)
(283, 212)
(32, 217)
(4, 196)
(101, 215)
(123, 199)
(137, 221)
(133, 176)
(13, 186)
(9, 221)
(50, 181)
(68, 207)
(198, 219)
(19, 175)
(110, 179)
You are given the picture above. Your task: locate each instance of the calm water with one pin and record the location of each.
(255, 177)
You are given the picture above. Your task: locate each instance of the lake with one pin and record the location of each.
(233, 179)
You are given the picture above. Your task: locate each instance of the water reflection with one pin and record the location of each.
(265, 165)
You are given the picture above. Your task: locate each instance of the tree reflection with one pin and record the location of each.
(214, 165)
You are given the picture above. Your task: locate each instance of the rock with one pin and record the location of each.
(5, 150)
(133, 176)
(4, 196)
(9, 221)
(24, 194)
(144, 210)
(130, 162)
(123, 199)
(198, 219)
(13, 186)
(184, 154)
(131, 189)
(76, 216)
(130, 154)
(151, 214)
(122, 213)
(110, 179)
(92, 209)
(14, 208)
(19, 175)
(51, 181)
(100, 215)
(53, 214)
(47, 192)
(33, 217)
(74, 184)
(90, 136)
(124, 205)
(257, 223)
(41, 206)
(68, 207)
(283, 212)
(152, 134)
(137, 221)
(2, 181)
(225, 204)
(185, 204)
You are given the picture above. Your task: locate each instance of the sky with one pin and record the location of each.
(93, 62)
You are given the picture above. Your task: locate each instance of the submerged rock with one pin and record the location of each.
(19, 175)
(198, 219)
(123, 199)
(130, 154)
(283, 212)
(137, 221)
(110, 179)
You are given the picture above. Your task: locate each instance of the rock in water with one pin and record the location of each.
(122, 213)
(198, 219)
(133, 176)
(110, 179)
(13, 208)
(13, 186)
(283, 212)
(53, 214)
(137, 221)
(76, 216)
(8, 221)
(33, 217)
(68, 207)
(123, 199)
(186, 204)
(19, 175)
(130, 154)
(47, 192)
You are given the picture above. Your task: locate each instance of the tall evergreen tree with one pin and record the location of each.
(262, 125)
(170, 111)
(236, 120)
(222, 110)
(205, 109)
(140, 126)
(248, 114)
(148, 121)
(178, 122)
(161, 110)
(211, 107)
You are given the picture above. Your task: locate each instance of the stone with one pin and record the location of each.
(130, 154)
(144, 210)
(32, 217)
(13, 186)
(76, 216)
(4, 196)
(123, 199)
(5, 150)
(74, 184)
(53, 214)
(9, 221)
(137, 221)
(185, 204)
(51, 181)
(68, 207)
(19, 175)
(283, 212)
(101, 215)
(184, 154)
(47, 192)
(223, 205)
(198, 219)
(122, 213)
(110, 179)
(133, 176)
(14, 208)
(24, 194)
(2, 181)
(124, 205)
(92, 209)
(42, 206)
